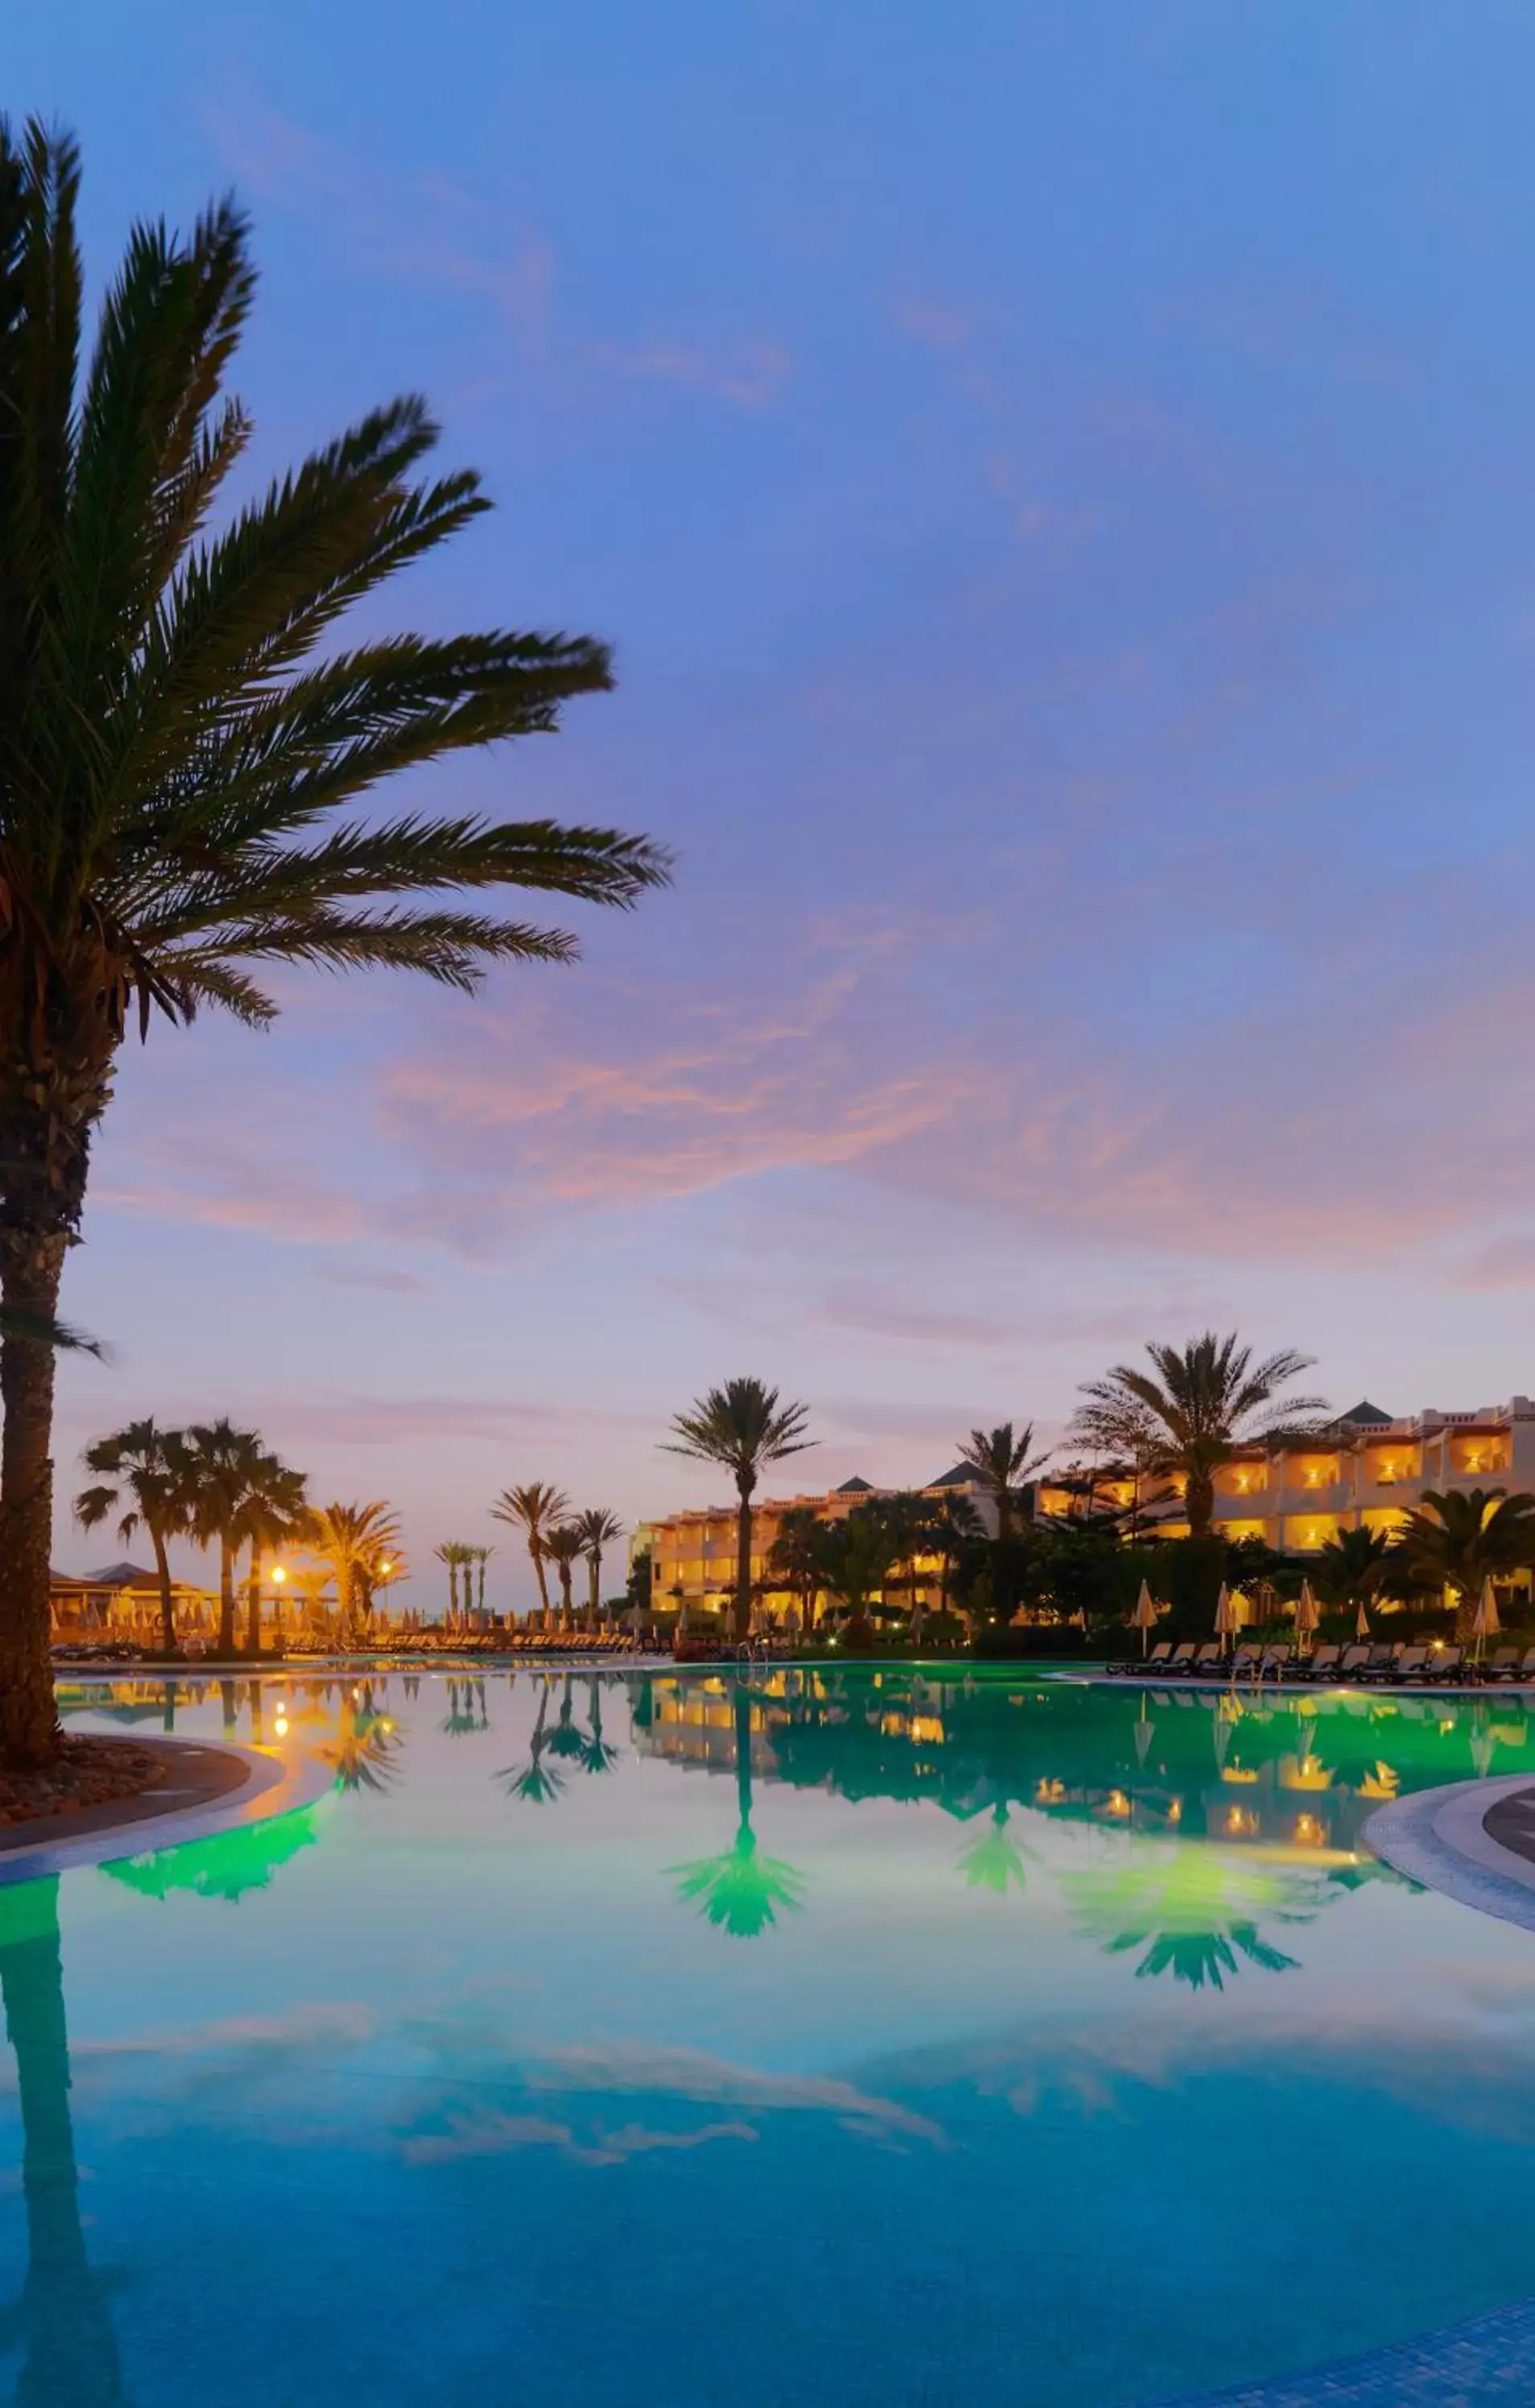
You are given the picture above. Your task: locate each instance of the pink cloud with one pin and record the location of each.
(749, 375)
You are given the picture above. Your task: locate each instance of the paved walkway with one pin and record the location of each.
(1488, 2363)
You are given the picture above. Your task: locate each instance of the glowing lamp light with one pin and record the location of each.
(279, 1573)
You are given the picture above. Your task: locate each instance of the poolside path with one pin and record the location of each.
(1489, 2363)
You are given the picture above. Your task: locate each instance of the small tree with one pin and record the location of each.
(600, 1529)
(565, 1547)
(1002, 1463)
(1458, 1538)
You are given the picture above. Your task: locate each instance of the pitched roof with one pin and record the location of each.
(124, 1575)
(961, 1476)
(1365, 1415)
(854, 1487)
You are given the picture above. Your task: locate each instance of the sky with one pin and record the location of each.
(1060, 481)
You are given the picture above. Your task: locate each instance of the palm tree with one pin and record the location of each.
(858, 1556)
(1460, 1537)
(1001, 1464)
(743, 1428)
(359, 1542)
(1353, 1567)
(1207, 1400)
(1118, 1430)
(479, 1557)
(143, 1469)
(598, 1530)
(225, 1470)
(565, 1547)
(180, 722)
(597, 1755)
(451, 1554)
(275, 1510)
(534, 1510)
(798, 1558)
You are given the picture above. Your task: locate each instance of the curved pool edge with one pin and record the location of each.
(271, 1787)
(1438, 1837)
(1488, 2361)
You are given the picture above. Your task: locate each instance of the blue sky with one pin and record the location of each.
(1059, 483)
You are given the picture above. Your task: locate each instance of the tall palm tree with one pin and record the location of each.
(226, 1468)
(181, 721)
(357, 1541)
(1207, 1400)
(275, 1510)
(1001, 1464)
(479, 1557)
(1460, 1537)
(600, 1529)
(743, 1428)
(534, 1510)
(448, 1554)
(536, 1782)
(143, 1469)
(565, 1547)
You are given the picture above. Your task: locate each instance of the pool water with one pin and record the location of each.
(869, 2037)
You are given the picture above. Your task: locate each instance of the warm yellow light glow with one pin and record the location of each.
(278, 1573)
(282, 1725)
(1116, 1803)
(1175, 1809)
(1239, 1776)
(1307, 1829)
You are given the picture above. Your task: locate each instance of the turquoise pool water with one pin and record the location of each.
(873, 2040)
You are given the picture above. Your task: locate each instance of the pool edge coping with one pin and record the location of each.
(271, 1787)
(1438, 1837)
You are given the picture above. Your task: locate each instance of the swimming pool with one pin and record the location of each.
(879, 2038)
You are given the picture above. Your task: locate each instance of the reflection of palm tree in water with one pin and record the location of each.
(61, 2319)
(996, 1858)
(596, 1754)
(565, 1739)
(1194, 1909)
(365, 1746)
(740, 1891)
(535, 1780)
(468, 1714)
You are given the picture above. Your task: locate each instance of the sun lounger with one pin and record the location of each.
(1244, 1663)
(1502, 1665)
(1274, 1660)
(1443, 1664)
(1352, 1662)
(1181, 1659)
(1209, 1657)
(1409, 1665)
(1320, 1665)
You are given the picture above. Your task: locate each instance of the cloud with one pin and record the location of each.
(854, 1306)
(394, 1420)
(493, 2134)
(385, 1283)
(637, 2067)
(938, 323)
(422, 229)
(1506, 1262)
(749, 375)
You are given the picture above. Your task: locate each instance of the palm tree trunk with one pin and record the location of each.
(167, 1607)
(482, 1562)
(743, 1563)
(1199, 1503)
(252, 1603)
(538, 1554)
(1004, 1513)
(226, 1599)
(29, 1725)
(593, 1566)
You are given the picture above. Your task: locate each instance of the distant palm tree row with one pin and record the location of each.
(557, 1535)
(224, 1487)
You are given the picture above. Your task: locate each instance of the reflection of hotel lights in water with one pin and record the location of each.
(1240, 1820)
(1308, 1830)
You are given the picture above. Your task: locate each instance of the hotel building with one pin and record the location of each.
(1366, 1471)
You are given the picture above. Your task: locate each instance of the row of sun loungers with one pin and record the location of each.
(1370, 1663)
